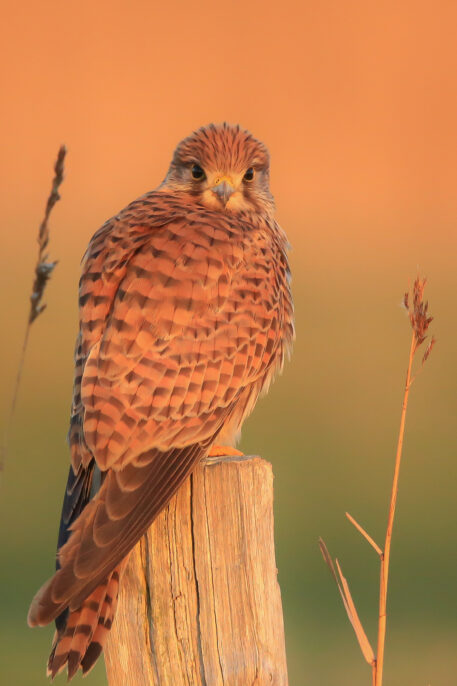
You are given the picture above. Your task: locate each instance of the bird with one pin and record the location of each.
(186, 315)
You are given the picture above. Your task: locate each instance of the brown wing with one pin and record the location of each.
(109, 527)
(178, 335)
(195, 316)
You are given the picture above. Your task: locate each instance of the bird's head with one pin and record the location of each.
(224, 168)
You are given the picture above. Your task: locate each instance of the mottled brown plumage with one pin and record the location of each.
(185, 315)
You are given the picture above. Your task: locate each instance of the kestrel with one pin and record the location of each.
(185, 316)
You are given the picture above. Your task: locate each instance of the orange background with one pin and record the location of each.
(357, 102)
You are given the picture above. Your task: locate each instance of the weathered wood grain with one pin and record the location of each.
(200, 604)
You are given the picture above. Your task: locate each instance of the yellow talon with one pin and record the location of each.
(221, 450)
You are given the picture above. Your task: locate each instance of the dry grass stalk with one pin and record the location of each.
(364, 534)
(348, 603)
(420, 320)
(43, 271)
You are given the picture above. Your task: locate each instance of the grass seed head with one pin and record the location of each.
(44, 268)
(417, 309)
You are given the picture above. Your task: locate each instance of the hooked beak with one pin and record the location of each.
(223, 190)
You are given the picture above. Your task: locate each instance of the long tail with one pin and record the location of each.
(80, 641)
(81, 595)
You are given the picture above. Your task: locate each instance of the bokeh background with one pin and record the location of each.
(357, 103)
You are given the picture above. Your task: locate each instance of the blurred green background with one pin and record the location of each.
(357, 103)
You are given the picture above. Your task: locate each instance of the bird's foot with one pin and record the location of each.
(223, 450)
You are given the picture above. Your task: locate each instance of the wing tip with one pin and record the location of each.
(43, 609)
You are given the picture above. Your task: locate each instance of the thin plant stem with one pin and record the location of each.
(385, 559)
(42, 274)
(420, 319)
(14, 400)
(366, 535)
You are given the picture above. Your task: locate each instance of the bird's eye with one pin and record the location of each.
(249, 175)
(197, 172)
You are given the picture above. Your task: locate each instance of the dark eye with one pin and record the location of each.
(197, 172)
(249, 174)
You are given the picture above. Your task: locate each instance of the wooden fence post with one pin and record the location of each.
(200, 604)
